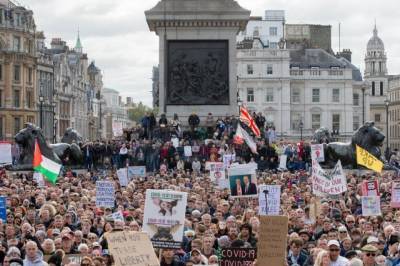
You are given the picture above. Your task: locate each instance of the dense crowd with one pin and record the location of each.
(43, 225)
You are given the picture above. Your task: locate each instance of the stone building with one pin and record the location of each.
(96, 102)
(394, 112)
(115, 112)
(306, 36)
(18, 95)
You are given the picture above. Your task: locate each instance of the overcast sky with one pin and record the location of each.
(114, 33)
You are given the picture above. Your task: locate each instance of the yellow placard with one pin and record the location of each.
(366, 159)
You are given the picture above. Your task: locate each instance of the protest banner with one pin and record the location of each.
(122, 174)
(395, 198)
(105, 194)
(72, 258)
(134, 171)
(238, 256)
(243, 180)
(282, 161)
(38, 177)
(3, 208)
(217, 171)
(269, 199)
(272, 240)
(131, 248)
(366, 159)
(371, 205)
(164, 217)
(370, 188)
(117, 129)
(5, 153)
(187, 151)
(317, 152)
(328, 183)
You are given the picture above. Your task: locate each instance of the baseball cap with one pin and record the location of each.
(333, 243)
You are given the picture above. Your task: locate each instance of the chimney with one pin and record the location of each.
(346, 53)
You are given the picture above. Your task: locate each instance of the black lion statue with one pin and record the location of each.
(26, 141)
(322, 135)
(367, 137)
(71, 136)
(65, 153)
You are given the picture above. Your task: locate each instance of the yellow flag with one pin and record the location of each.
(368, 160)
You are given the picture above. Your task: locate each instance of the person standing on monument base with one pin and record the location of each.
(194, 122)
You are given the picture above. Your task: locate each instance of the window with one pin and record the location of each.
(250, 69)
(269, 70)
(273, 45)
(315, 121)
(17, 43)
(356, 122)
(256, 32)
(1, 128)
(381, 88)
(380, 67)
(270, 95)
(17, 73)
(373, 88)
(17, 125)
(29, 99)
(315, 95)
(250, 95)
(315, 71)
(377, 118)
(335, 95)
(16, 98)
(30, 75)
(273, 31)
(356, 99)
(336, 122)
(295, 119)
(30, 119)
(296, 95)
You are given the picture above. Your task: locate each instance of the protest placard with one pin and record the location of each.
(370, 188)
(175, 142)
(228, 159)
(217, 171)
(282, 161)
(395, 199)
(238, 256)
(72, 258)
(243, 180)
(164, 217)
(328, 183)
(187, 151)
(269, 199)
(131, 248)
(116, 216)
(371, 205)
(117, 129)
(272, 240)
(5, 153)
(136, 171)
(366, 159)
(122, 174)
(38, 177)
(317, 152)
(105, 194)
(3, 208)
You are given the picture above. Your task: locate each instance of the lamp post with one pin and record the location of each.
(363, 103)
(301, 129)
(41, 100)
(387, 152)
(240, 103)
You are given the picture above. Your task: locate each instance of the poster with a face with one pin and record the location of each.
(164, 216)
(243, 180)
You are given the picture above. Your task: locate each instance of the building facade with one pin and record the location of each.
(95, 90)
(115, 112)
(18, 89)
(394, 112)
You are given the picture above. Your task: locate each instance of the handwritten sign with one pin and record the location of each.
(131, 248)
(324, 183)
(395, 200)
(269, 198)
(272, 240)
(371, 205)
(317, 152)
(238, 256)
(105, 194)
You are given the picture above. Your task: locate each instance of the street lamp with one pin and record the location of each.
(363, 87)
(301, 130)
(240, 103)
(387, 153)
(41, 100)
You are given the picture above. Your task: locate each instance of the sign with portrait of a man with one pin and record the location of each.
(243, 181)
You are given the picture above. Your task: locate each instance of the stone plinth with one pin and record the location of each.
(197, 55)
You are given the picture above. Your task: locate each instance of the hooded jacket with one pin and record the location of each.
(38, 261)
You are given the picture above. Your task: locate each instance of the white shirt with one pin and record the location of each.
(341, 261)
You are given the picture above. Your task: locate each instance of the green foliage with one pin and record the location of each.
(138, 110)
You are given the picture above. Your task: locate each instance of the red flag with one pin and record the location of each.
(249, 121)
(37, 155)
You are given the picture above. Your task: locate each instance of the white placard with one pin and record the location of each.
(122, 174)
(217, 171)
(117, 216)
(5, 153)
(117, 129)
(187, 151)
(317, 152)
(371, 205)
(269, 198)
(282, 161)
(134, 171)
(38, 177)
(105, 196)
(328, 183)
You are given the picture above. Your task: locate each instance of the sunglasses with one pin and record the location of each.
(370, 254)
(334, 250)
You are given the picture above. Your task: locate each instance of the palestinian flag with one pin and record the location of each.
(47, 167)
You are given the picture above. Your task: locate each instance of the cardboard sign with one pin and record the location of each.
(269, 199)
(370, 188)
(122, 174)
(371, 205)
(238, 256)
(5, 153)
(328, 183)
(105, 194)
(164, 217)
(282, 161)
(317, 152)
(187, 150)
(135, 171)
(272, 241)
(3, 208)
(217, 171)
(131, 248)
(243, 180)
(395, 200)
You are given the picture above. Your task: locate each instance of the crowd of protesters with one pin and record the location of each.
(43, 225)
